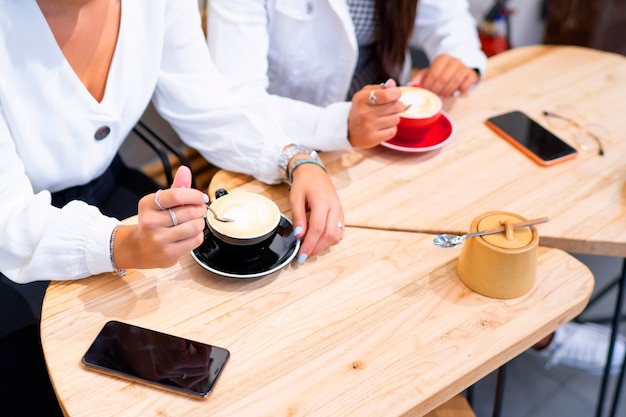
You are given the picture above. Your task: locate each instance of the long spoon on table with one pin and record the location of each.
(452, 241)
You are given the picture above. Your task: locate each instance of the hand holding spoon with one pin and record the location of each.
(453, 241)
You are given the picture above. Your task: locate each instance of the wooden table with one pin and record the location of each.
(443, 190)
(380, 325)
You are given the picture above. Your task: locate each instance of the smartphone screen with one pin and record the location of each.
(161, 360)
(530, 137)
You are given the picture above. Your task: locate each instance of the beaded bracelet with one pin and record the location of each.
(116, 270)
(301, 161)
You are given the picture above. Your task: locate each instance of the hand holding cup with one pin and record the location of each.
(374, 114)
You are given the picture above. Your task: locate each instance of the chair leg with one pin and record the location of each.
(498, 400)
(141, 129)
(498, 395)
(596, 297)
(618, 388)
(469, 395)
(167, 167)
(614, 331)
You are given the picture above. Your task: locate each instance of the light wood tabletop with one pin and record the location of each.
(380, 325)
(478, 171)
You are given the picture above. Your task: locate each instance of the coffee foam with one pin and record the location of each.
(424, 103)
(254, 215)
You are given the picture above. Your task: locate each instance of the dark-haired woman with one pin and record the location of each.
(324, 62)
(313, 55)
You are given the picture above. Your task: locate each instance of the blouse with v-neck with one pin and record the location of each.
(87, 37)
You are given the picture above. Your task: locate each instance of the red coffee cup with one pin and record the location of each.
(424, 108)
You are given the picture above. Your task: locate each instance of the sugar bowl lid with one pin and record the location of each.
(512, 237)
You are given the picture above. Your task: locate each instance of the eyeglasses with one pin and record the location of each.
(589, 136)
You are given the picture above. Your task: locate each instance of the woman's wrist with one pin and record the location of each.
(300, 160)
(294, 156)
(120, 272)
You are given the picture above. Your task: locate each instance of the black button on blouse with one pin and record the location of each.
(102, 132)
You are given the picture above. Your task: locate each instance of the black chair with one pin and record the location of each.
(163, 149)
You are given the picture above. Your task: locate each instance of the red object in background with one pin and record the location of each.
(494, 30)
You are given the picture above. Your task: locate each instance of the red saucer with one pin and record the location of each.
(427, 139)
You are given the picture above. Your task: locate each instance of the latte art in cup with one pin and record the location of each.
(254, 215)
(424, 103)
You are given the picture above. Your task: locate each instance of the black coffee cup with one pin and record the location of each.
(256, 219)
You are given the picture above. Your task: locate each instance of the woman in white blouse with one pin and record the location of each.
(318, 62)
(315, 56)
(75, 77)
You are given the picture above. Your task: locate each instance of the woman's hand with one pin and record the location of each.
(374, 114)
(164, 233)
(313, 191)
(446, 76)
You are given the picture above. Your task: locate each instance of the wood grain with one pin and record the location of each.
(377, 326)
(455, 407)
(477, 172)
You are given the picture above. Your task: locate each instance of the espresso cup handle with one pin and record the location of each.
(220, 192)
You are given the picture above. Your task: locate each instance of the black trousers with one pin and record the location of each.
(27, 390)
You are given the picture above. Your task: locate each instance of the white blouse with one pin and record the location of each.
(49, 120)
(305, 51)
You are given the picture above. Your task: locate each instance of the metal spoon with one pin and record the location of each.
(453, 241)
(218, 218)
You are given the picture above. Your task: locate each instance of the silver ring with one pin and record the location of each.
(340, 225)
(173, 216)
(372, 98)
(156, 200)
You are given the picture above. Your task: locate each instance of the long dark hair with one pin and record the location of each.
(396, 19)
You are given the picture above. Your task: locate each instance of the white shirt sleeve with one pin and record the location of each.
(448, 27)
(41, 242)
(239, 43)
(231, 131)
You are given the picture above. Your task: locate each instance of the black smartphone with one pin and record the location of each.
(161, 360)
(534, 140)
